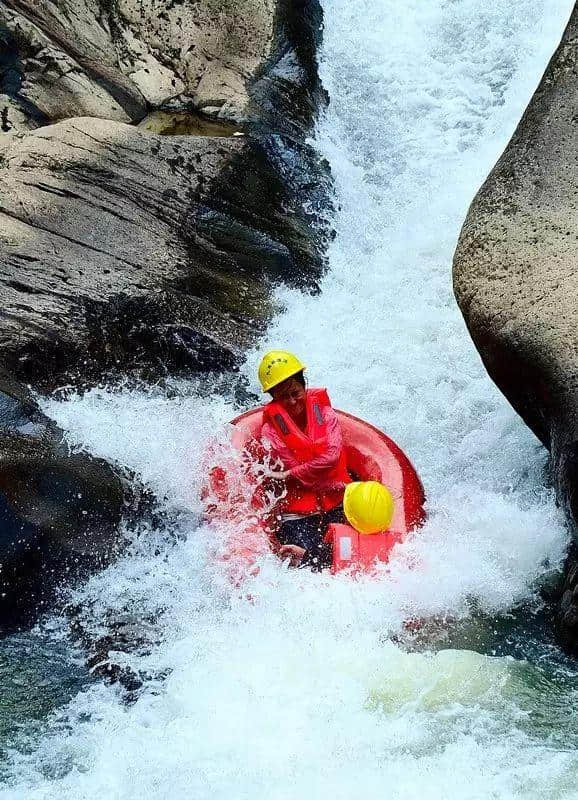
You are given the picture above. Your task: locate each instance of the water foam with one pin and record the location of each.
(301, 690)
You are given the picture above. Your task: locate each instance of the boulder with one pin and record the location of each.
(156, 185)
(516, 281)
(59, 511)
(125, 250)
(116, 59)
(154, 249)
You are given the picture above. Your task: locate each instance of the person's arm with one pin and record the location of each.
(313, 471)
(277, 446)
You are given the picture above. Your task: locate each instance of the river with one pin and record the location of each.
(311, 686)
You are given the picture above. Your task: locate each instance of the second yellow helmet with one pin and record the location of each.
(368, 506)
(276, 366)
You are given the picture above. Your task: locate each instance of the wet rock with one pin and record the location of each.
(126, 633)
(126, 251)
(123, 250)
(515, 274)
(59, 511)
(287, 94)
(566, 611)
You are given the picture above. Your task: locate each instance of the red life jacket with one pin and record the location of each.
(306, 445)
(357, 551)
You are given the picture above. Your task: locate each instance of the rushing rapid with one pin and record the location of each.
(303, 685)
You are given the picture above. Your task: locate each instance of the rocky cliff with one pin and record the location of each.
(115, 59)
(155, 186)
(123, 247)
(516, 281)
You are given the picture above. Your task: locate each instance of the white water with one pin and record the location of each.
(301, 692)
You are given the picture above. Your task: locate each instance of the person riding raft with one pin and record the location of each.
(302, 432)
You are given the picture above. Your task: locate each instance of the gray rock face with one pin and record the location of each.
(516, 280)
(124, 251)
(121, 249)
(59, 512)
(114, 59)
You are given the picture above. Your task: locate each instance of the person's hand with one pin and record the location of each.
(278, 475)
(292, 553)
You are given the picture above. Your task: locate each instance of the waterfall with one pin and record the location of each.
(299, 685)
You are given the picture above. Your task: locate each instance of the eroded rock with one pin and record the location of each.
(515, 275)
(124, 250)
(114, 59)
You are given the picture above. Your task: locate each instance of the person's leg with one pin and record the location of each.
(308, 532)
(321, 554)
(324, 555)
(335, 516)
(301, 531)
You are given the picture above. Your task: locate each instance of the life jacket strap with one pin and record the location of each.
(281, 424)
(318, 414)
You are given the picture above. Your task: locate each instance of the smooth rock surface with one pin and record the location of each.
(516, 281)
(125, 250)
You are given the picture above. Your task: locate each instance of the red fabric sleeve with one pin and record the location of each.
(278, 446)
(314, 473)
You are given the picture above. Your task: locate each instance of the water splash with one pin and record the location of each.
(296, 685)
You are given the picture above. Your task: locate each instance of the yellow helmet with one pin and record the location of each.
(368, 506)
(276, 366)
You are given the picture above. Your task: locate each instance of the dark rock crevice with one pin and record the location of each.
(11, 78)
(59, 510)
(287, 93)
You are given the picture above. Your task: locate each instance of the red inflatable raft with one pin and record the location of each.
(371, 455)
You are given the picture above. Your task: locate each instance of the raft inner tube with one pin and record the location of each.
(371, 455)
